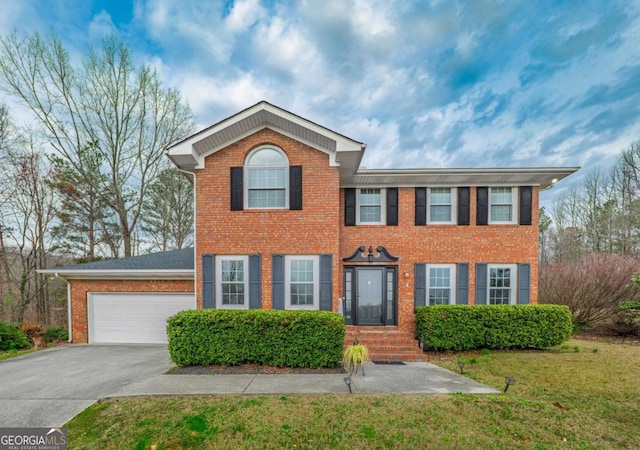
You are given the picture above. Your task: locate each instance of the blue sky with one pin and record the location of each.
(424, 83)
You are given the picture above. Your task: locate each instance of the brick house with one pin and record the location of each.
(286, 219)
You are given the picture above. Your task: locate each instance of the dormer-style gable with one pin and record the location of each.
(343, 152)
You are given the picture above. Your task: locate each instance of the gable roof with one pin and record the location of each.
(545, 177)
(174, 264)
(190, 153)
(346, 154)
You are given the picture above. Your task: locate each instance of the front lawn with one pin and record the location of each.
(583, 395)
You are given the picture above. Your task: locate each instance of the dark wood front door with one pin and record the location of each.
(370, 295)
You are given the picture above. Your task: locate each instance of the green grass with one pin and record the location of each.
(13, 353)
(562, 398)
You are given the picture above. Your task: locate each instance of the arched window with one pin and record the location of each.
(266, 171)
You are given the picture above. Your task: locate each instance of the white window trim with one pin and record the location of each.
(247, 167)
(453, 286)
(454, 206)
(514, 207)
(514, 281)
(383, 207)
(316, 281)
(218, 280)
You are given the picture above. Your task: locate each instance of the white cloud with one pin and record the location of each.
(101, 26)
(206, 93)
(11, 12)
(244, 14)
(371, 19)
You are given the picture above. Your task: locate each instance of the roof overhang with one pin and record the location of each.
(545, 177)
(343, 152)
(71, 274)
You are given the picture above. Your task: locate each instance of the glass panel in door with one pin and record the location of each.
(370, 295)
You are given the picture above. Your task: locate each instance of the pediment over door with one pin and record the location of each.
(369, 255)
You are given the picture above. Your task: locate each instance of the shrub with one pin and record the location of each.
(56, 334)
(355, 356)
(591, 287)
(269, 337)
(34, 332)
(627, 321)
(11, 338)
(467, 327)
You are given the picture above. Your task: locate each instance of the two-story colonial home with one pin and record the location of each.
(286, 218)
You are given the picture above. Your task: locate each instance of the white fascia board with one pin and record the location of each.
(343, 143)
(186, 147)
(71, 274)
(200, 158)
(545, 177)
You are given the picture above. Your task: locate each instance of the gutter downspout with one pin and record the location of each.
(195, 246)
(69, 324)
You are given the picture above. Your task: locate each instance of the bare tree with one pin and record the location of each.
(27, 215)
(168, 212)
(124, 111)
(6, 191)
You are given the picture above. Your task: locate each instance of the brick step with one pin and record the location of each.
(387, 344)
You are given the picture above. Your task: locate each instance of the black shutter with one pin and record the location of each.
(462, 297)
(482, 206)
(295, 187)
(208, 282)
(392, 206)
(481, 284)
(464, 197)
(255, 282)
(349, 207)
(420, 285)
(421, 206)
(236, 188)
(326, 282)
(524, 284)
(277, 281)
(526, 194)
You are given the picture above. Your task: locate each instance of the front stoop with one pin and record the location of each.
(386, 343)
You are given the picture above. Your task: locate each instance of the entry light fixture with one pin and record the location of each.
(347, 381)
(508, 382)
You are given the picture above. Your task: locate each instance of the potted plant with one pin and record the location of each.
(355, 356)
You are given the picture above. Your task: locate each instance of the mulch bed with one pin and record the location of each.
(244, 369)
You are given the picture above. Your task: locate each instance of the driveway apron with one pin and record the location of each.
(49, 387)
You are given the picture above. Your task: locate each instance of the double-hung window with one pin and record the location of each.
(267, 179)
(302, 278)
(502, 207)
(441, 205)
(371, 206)
(502, 284)
(232, 274)
(441, 282)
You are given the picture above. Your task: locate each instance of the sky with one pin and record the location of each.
(424, 84)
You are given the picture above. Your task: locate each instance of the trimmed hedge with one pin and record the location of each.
(53, 334)
(468, 327)
(11, 338)
(268, 337)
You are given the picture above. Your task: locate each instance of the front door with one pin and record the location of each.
(370, 295)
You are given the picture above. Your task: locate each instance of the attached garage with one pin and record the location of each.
(128, 300)
(133, 317)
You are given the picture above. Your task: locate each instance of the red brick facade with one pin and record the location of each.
(319, 227)
(329, 164)
(313, 230)
(79, 297)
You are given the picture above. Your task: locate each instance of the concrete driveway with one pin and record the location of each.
(49, 387)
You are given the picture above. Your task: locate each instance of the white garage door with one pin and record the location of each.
(134, 318)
